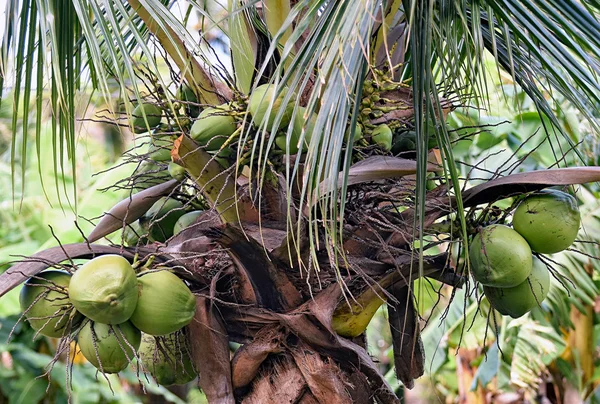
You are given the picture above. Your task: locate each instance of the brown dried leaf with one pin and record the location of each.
(376, 168)
(409, 357)
(210, 353)
(520, 183)
(325, 379)
(359, 388)
(29, 267)
(249, 357)
(323, 338)
(311, 323)
(130, 209)
(283, 384)
(272, 287)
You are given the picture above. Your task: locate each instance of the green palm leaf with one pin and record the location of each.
(328, 51)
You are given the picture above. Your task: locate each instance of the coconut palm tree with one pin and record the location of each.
(334, 175)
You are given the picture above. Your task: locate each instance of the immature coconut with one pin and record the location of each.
(186, 94)
(520, 299)
(186, 220)
(165, 303)
(176, 171)
(109, 348)
(104, 289)
(167, 359)
(358, 134)
(148, 174)
(213, 127)
(382, 135)
(300, 126)
(45, 302)
(160, 148)
(153, 116)
(259, 103)
(549, 221)
(133, 233)
(500, 257)
(161, 218)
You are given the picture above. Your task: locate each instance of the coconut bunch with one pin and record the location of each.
(504, 260)
(217, 128)
(166, 217)
(107, 307)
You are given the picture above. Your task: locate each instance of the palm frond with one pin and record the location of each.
(536, 347)
(64, 47)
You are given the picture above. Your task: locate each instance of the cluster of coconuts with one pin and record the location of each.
(214, 126)
(302, 125)
(166, 217)
(502, 260)
(114, 313)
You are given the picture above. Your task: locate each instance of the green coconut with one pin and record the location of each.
(186, 220)
(160, 148)
(357, 134)
(500, 257)
(161, 218)
(259, 103)
(549, 221)
(165, 303)
(300, 127)
(187, 95)
(113, 347)
(168, 359)
(176, 171)
(104, 289)
(153, 116)
(213, 127)
(405, 142)
(133, 232)
(382, 135)
(520, 299)
(223, 162)
(45, 303)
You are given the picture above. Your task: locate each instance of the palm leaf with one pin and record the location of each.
(57, 52)
(243, 43)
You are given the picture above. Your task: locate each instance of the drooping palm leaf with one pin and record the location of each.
(64, 47)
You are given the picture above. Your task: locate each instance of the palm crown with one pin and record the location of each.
(318, 218)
